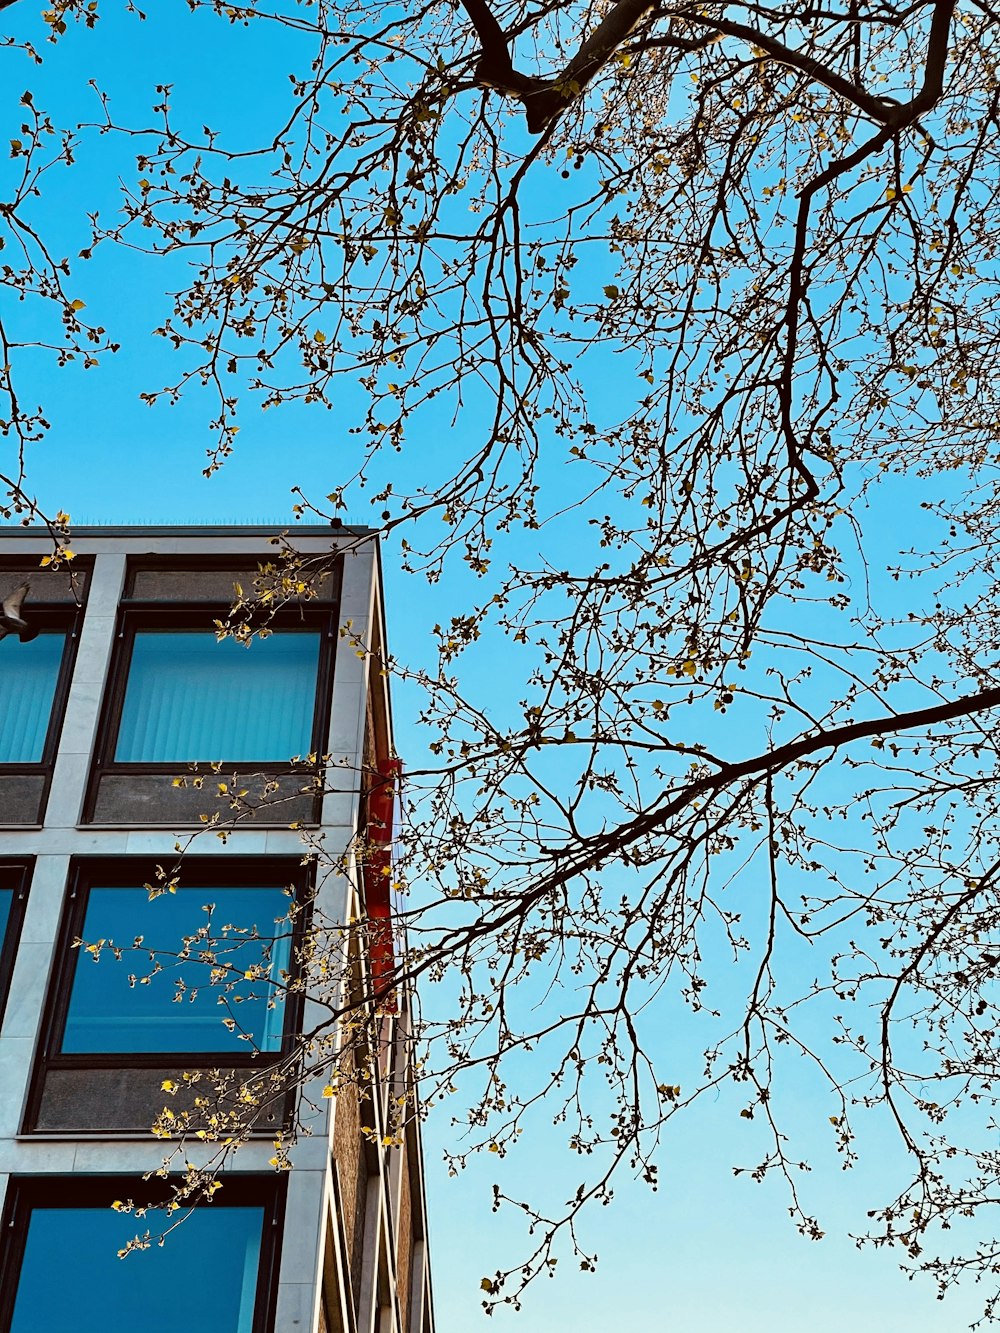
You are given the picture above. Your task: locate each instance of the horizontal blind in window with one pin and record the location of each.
(191, 697)
(28, 675)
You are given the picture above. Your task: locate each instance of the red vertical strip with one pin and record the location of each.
(378, 881)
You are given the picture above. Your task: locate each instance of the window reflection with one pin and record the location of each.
(210, 998)
(203, 1279)
(29, 673)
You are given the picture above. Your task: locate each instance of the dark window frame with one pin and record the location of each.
(27, 1192)
(65, 620)
(128, 872)
(124, 872)
(136, 616)
(64, 617)
(16, 876)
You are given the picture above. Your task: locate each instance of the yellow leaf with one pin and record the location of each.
(45, 560)
(319, 336)
(168, 1085)
(486, 1285)
(329, 1091)
(76, 305)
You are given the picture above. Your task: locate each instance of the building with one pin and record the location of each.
(122, 1008)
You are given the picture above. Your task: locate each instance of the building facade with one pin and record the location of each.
(160, 791)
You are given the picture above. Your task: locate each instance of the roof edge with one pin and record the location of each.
(193, 530)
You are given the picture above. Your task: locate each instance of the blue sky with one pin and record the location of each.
(706, 1252)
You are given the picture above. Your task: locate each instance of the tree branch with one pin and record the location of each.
(605, 845)
(872, 106)
(495, 68)
(545, 99)
(546, 105)
(937, 55)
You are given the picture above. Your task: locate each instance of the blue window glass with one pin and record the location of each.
(147, 980)
(203, 1279)
(28, 676)
(6, 899)
(190, 697)
(8, 927)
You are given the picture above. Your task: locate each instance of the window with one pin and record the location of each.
(190, 697)
(213, 1274)
(196, 977)
(209, 974)
(34, 682)
(30, 674)
(180, 696)
(14, 876)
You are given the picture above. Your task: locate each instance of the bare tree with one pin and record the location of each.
(664, 317)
